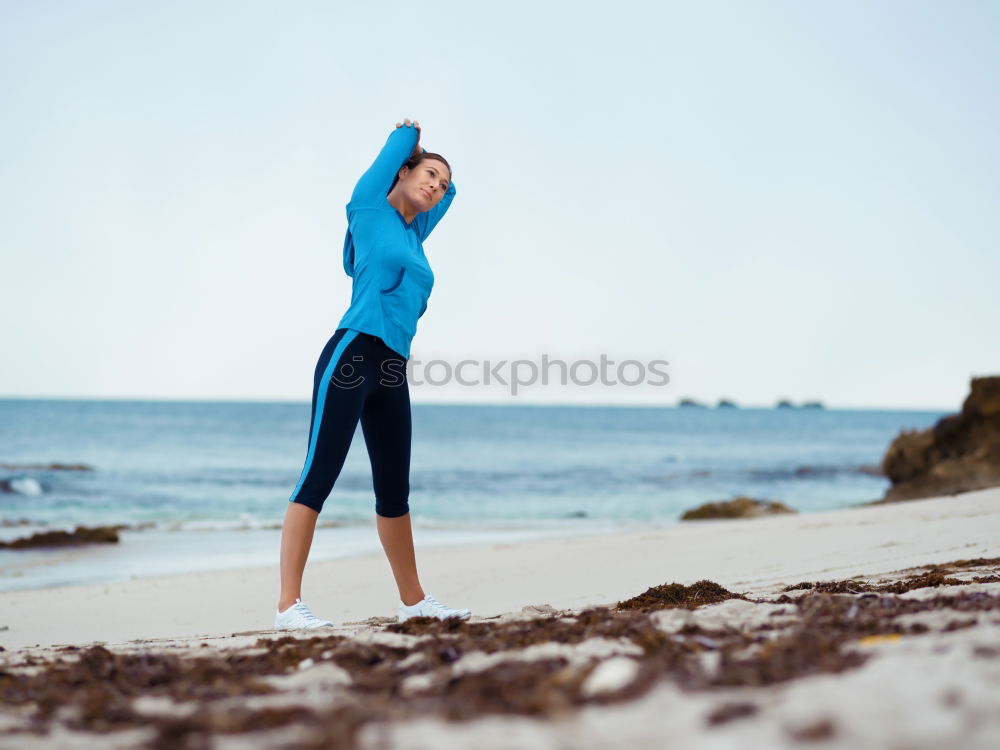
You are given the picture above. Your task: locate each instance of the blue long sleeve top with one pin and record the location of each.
(385, 255)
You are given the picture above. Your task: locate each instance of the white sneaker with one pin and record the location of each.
(430, 607)
(299, 617)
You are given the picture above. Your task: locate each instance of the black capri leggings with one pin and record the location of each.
(359, 377)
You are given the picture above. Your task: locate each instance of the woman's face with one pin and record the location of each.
(425, 184)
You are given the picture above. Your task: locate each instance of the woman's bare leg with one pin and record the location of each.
(296, 539)
(396, 536)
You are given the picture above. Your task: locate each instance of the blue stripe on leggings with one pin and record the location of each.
(324, 385)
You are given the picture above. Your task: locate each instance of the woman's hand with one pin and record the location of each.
(414, 124)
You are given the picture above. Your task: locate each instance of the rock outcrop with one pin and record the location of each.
(738, 507)
(688, 403)
(81, 535)
(960, 453)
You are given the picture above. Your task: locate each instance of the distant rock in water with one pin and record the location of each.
(960, 453)
(81, 535)
(725, 403)
(22, 486)
(690, 402)
(46, 467)
(8, 522)
(738, 507)
(786, 404)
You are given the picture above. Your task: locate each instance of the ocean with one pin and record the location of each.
(204, 485)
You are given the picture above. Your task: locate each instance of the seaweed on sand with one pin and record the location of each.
(387, 680)
(671, 595)
(933, 576)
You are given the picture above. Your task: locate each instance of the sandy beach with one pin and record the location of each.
(746, 556)
(905, 685)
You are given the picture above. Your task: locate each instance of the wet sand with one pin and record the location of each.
(868, 627)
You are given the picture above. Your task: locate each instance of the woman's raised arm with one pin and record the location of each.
(375, 183)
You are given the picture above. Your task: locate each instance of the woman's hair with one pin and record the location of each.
(415, 160)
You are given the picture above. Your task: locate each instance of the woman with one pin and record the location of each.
(361, 373)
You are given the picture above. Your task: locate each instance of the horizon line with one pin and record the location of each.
(699, 405)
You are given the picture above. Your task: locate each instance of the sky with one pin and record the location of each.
(778, 199)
